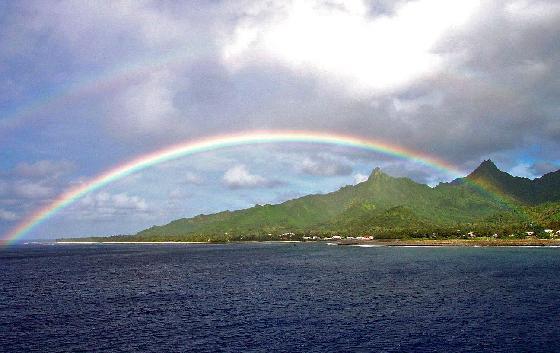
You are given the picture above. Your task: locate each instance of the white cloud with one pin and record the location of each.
(324, 167)
(43, 168)
(7, 216)
(533, 11)
(31, 190)
(192, 178)
(359, 178)
(341, 41)
(239, 177)
(123, 201)
(146, 108)
(106, 205)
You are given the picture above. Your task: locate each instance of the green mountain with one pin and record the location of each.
(522, 190)
(386, 205)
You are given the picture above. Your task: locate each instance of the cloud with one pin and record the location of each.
(322, 166)
(31, 190)
(255, 66)
(123, 201)
(28, 186)
(146, 108)
(29, 183)
(541, 168)
(43, 169)
(239, 177)
(7, 216)
(485, 96)
(95, 31)
(131, 55)
(359, 178)
(344, 42)
(192, 178)
(107, 205)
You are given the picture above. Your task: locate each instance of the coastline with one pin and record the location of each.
(131, 242)
(481, 242)
(170, 242)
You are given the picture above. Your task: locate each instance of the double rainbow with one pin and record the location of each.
(214, 143)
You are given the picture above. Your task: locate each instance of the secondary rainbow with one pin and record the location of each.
(214, 143)
(97, 81)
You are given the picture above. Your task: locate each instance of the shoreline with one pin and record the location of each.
(482, 242)
(171, 242)
(363, 243)
(131, 242)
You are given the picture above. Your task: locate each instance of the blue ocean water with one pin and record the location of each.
(278, 298)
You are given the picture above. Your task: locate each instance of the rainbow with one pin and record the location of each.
(214, 143)
(96, 81)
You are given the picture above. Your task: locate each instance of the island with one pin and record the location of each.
(488, 207)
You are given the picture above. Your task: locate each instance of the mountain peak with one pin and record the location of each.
(376, 173)
(486, 168)
(487, 164)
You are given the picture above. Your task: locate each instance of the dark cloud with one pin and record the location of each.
(501, 77)
(495, 91)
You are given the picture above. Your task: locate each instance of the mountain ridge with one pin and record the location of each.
(382, 203)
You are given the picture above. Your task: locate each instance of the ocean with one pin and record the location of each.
(265, 297)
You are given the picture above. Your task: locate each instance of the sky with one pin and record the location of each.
(88, 86)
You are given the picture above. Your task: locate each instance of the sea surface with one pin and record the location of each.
(278, 298)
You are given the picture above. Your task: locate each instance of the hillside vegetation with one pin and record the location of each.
(488, 201)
